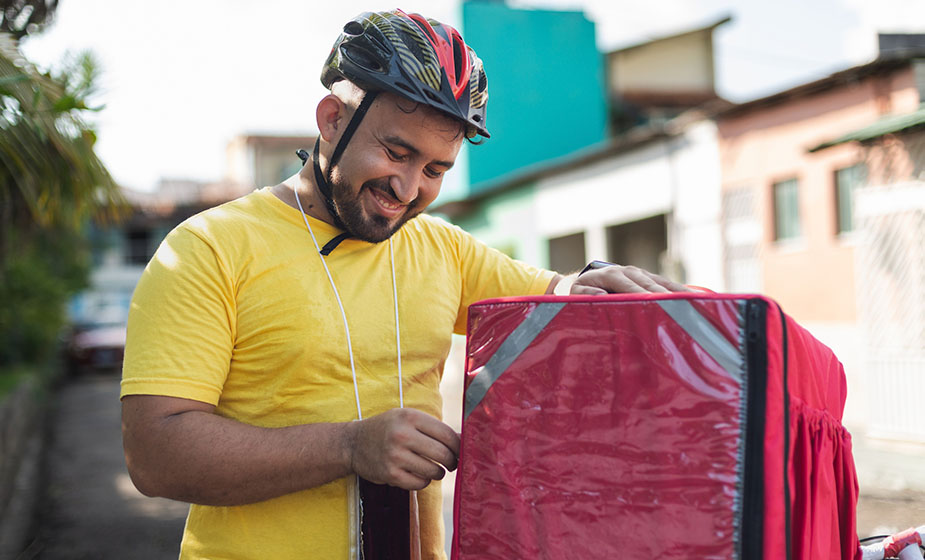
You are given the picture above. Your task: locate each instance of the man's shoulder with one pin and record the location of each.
(230, 215)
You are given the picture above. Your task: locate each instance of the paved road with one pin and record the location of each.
(91, 509)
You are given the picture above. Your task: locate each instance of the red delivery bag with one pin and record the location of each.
(651, 426)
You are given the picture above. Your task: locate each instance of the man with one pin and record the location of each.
(287, 342)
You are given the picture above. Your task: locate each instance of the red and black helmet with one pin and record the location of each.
(414, 57)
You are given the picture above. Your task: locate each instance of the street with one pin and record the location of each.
(92, 511)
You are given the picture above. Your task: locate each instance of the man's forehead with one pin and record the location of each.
(392, 102)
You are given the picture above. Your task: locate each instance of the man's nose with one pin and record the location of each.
(405, 185)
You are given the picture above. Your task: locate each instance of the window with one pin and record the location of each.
(138, 247)
(567, 254)
(787, 210)
(847, 180)
(642, 243)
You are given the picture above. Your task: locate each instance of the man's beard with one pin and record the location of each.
(373, 228)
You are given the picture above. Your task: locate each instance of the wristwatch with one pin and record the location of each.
(593, 265)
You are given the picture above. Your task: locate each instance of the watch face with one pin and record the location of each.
(386, 521)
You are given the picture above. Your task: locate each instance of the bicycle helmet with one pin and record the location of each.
(414, 57)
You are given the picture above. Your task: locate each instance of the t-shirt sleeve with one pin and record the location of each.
(181, 322)
(489, 273)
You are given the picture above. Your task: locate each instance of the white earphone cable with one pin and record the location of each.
(401, 395)
(343, 313)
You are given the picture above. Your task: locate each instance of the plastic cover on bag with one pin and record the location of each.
(637, 427)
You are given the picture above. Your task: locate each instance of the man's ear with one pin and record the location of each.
(329, 115)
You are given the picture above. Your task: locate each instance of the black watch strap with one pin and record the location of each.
(595, 265)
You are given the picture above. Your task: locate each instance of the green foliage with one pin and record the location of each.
(39, 280)
(49, 173)
(10, 378)
(51, 185)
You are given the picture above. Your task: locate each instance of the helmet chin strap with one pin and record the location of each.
(324, 180)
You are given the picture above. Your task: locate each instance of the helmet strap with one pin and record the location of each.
(351, 128)
(325, 189)
(323, 179)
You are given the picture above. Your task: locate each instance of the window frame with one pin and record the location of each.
(859, 170)
(776, 208)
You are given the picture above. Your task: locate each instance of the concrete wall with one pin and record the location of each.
(814, 278)
(683, 63)
(21, 439)
(545, 86)
(678, 177)
(770, 144)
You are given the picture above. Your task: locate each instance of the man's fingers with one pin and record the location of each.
(440, 443)
(669, 285)
(646, 281)
(407, 480)
(613, 279)
(423, 468)
(583, 290)
(624, 279)
(405, 448)
(410, 470)
(436, 452)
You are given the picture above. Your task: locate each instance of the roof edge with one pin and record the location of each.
(879, 65)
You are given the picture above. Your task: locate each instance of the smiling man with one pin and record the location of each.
(285, 349)
(397, 159)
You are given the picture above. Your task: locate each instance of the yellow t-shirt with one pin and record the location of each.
(235, 310)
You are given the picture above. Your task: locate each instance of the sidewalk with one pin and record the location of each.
(891, 479)
(91, 510)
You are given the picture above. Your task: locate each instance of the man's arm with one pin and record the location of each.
(613, 279)
(180, 449)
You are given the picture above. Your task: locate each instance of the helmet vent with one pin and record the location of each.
(457, 59)
(404, 86)
(433, 96)
(353, 28)
(362, 58)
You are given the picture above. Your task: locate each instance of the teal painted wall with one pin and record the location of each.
(546, 95)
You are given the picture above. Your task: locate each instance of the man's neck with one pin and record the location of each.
(303, 187)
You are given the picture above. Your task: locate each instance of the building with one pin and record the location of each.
(889, 219)
(661, 78)
(546, 87)
(789, 227)
(264, 159)
(574, 206)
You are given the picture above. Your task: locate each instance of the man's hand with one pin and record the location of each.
(403, 447)
(623, 279)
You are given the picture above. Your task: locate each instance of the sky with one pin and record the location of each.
(181, 78)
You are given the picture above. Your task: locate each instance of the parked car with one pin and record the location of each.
(96, 347)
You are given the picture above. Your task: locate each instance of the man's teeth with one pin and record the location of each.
(385, 202)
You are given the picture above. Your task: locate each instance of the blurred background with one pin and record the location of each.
(742, 146)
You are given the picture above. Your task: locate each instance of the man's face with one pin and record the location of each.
(393, 167)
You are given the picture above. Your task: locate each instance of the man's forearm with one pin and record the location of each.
(199, 457)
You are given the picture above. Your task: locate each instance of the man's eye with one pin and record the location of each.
(432, 173)
(395, 156)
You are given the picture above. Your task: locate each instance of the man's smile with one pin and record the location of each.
(388, 205)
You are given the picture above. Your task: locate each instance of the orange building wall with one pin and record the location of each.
(812, 278)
